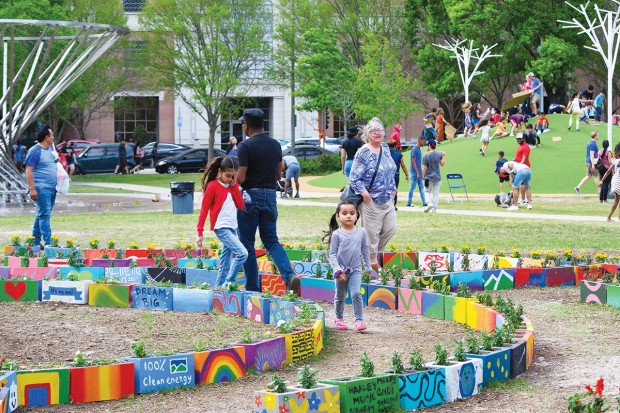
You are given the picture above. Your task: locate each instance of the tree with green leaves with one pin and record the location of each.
(208, 51)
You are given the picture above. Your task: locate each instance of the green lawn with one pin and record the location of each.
(557, 167)
(158, 180)
(89, 189)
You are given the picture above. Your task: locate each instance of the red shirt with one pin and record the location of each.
(395, 136)
(212, 202)
(522, 151)
(494, 119)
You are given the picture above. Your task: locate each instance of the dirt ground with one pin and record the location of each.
(575, 344)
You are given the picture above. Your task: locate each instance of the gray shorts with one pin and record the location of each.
(590, 172)
(292, 171)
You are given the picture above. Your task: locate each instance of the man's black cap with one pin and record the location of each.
(253, 116)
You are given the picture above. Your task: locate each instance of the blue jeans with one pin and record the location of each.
(347, 167)
(419, 182)
(260, 211)
(599, 112)
(429, 133)
(396, 182)
(41, 229)
(353, 281)
(230, 245)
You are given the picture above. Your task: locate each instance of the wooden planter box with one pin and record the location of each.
(419, 389)
(19, 290)
(135, 275)
(433, 305)
(228, 302)
(158, 373)
(71, 292)
(322, 398)
(367, 394)
(109, 295)
(257, 308)
(382, 296)
(463, 379)
(83, 273)
(593, 292)
(500, 279)
(217, 366)
(409, 301)
(99, 383)
(43, 387)
(495, 364)
(152, 298)
(269, 354)
(192, 300)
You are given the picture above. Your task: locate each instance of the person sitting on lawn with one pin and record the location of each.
(531, 137)
(495, 116)
(516, 120)
(500, 131)
(584, 114)
(542, 123)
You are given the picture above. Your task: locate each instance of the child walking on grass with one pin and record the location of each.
(484, 126)
(614, 169)
(222, 198)
(348, 247)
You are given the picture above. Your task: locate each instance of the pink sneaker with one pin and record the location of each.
(340, 325)
(359, 324)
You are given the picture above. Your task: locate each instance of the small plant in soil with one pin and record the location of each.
(79, 360)
(441, 355)
(247, 337)
(232, 287)
(465, 263)
(485, 299)
(607, 278)
(397, 363)
(459, 351)
(415, 360)
(138, 349)
(290, 296)
(419, 272)
(397, 275)
(367, 366)
(463, 291)
(307, 258)
(495, 263)
(319, 271)
(44, 262)
(414, 284)
(472, 344)
(498, 337)
(307, 377)
(329, 273)
(433, 267)
(73, 276)
(365, 277)
(487, 341)
(6, 365)
(384, 275)
(441, 288)
(285, 327)
(450, 266)
(200, 346)
(266, 293)
(277, 385)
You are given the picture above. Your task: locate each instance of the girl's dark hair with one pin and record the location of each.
(575, 95)
(225, 163)
(333, 221)
(617, 149)
(483, 122)
(605, 145)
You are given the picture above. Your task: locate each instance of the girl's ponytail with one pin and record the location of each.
(333, 226)
(211, 172)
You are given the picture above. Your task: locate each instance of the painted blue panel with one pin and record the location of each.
(192, 300)
(163, 372)
(151, 298)
(135, 275)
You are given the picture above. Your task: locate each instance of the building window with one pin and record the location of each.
(135, 113)
(133, 6)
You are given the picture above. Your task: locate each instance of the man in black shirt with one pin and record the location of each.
(350, 145)
(260, 166)
(122, 158)
(587, 96)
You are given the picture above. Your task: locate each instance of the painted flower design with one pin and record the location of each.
(270, 401)
(314, 401)
(283, 408)
(301, 394)
(257, 401)
(332, 404)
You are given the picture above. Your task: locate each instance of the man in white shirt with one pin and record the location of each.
(292, 169)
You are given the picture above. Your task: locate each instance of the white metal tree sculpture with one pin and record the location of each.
(465, 53)
(603, 30)
(40, 59)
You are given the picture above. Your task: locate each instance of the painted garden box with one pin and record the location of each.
(297, 255)
(499, 279)
(282, 310)
(109, 295)
(8, 382)
(158, 373)
(71, 292)
(433, 305)
(363, 292)
(134, 275)
(265, 355)
(310, 268)
(20, 250)
(107, 263)
(182, 253)
(419, 389)
(99, 383)
(593, 292)
(588, 272)
(273, 283)
(367, 394)
(476, 261)
(257, 308)
(406, 260)
(382, 296)
(229, 302)
(142, 252)
(299, 345)
(91, 254)
(43, 387)
(217, 366)
(495, 364)
(192, 300)
(530, 277)
(409, 301)
(151, 297)
(193, 262)
(472, 279)
(317, 289)
(173, 275)
(5, 272)
(54, 252)
(518, 352)
(195, 276)
(560, 276)
(476, 315)
(82, 273)
(35, 273)
(463, 379)
(322, 398)
(440, 260)
(19, 290)
(613, 295)
(455, 308)
(429, 279)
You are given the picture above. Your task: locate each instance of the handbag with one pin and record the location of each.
(349, 195)
(599, 163)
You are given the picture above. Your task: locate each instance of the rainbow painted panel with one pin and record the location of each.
(71, 292)
(433, 305)
(495, 365)
(382, 296)
(218, 366)
(265, 355)
(409, 301)
(19, 290)
(109, 295)
(592, 292)
(83, 274)
(98, 383)
(42, 387)
(455, 308)
(8, 382)
(475, 315)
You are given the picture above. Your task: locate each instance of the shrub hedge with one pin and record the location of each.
(323, 165)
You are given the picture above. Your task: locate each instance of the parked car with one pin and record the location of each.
(101, 158)
(307, 152)
(331, 144)
(163, 151)
(192, 160)
(78, 146)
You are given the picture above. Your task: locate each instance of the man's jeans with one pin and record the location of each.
(41, 230)
(260, 211)
(599, 112)
(420, 184)
(230, 245)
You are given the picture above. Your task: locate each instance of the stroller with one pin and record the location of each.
(280, 188)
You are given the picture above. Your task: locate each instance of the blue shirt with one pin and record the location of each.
(18, 151)
(363, 169)
(396, 157)
(44, 163)
(416, 156)
(598, 102)
(535, 83)
(591, 147)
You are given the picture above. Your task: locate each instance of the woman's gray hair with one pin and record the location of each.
(372, 124)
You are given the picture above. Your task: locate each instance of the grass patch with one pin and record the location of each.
(517, 385)
(158, 180)
(90, 189)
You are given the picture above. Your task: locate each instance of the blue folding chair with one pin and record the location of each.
(457, 183)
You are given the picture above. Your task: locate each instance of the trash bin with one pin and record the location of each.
(182, 194)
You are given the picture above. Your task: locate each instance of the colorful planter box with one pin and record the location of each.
(500, 279)
(16, 262)
(463, 379)
(476, 315)
(297, 255)
(433, 305)
(588, 272)
(367, 394)
(518, 354)
(158, 373)
(527, 336)
(20, 250)
(35, 273)
(282, 310)
(5, 272)
(441, 259)
(19, 290)
(560, 276)
(317, 289)
(196, 277)
(217, 366)
(530, 277)
(593, 292)
(142, 252)
(310, 268)
(455, 308)
(91, 254)
(476, 262)
(273, 283)
(419, 389)
(71, 292)
(182, 253)
(409, 301)
(322, 398)
(193, 262)
(613, 295)
(145, 262)
(472, 279)
(109, 295)
(257, 308)
(52, 252)
(151, 298)
(135, 275)
(107, 263)
(299, 345)
(99, 383)
(428, 280)
(318, 330)
(83, 273)
(173, 275)
(192, 300)
(43, 387)
(265, 355)
(382, 296)
(363, 292)
(228, 302)
(8, 381)
(495, 364)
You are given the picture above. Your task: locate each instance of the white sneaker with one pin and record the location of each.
(428, 208)
(521, 202)
(529, 206)
(513, 208)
